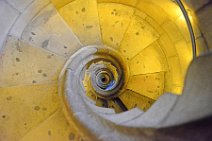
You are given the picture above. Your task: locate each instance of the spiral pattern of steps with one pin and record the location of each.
(71, 68)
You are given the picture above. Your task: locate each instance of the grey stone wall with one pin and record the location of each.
(203, 9)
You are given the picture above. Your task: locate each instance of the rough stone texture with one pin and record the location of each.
(123, 117)
(113, 27)
(105, 130)
(55, 128)
(45, 31)
(197, 4)
(205, 21)
(97, 128)
(22, 64)
(201, 46)
(89, 122)
(195, 103)
(82, 17)
(27, 16)
(24, 107)
(156, 114)
(20, 5)
(195, 131)
(61, 3)
(7, 17)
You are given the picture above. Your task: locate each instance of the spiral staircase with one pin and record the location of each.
(110, 70)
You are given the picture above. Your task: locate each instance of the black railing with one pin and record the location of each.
(191, 31)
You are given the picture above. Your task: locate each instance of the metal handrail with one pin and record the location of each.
(191, 31)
